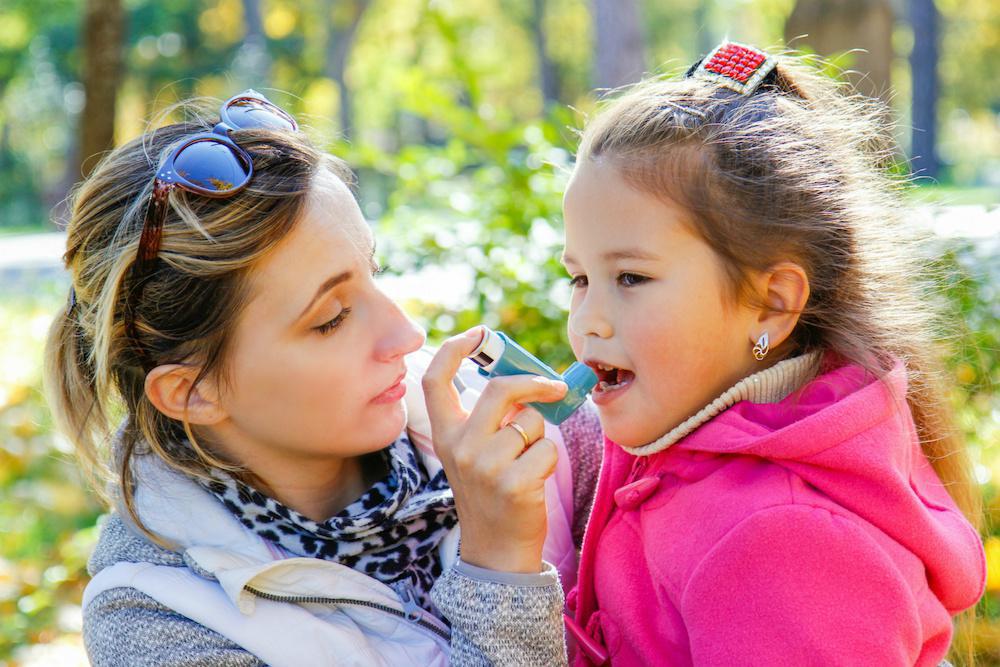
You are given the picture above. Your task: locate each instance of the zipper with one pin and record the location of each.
(411, 612)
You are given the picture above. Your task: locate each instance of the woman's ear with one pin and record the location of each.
(172, 390)
(784, 289)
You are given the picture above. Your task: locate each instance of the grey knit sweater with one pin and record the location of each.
(497, 618)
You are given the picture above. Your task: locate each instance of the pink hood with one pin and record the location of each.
(733, 523)
(834, 439)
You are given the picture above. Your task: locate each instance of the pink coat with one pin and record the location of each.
(807, 532)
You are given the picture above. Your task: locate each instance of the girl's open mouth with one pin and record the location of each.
(612, 382)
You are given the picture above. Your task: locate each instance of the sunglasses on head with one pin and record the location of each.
(209, 164)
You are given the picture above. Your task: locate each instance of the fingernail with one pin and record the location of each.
(474, 331)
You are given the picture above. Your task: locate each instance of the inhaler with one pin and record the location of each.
(497, 354)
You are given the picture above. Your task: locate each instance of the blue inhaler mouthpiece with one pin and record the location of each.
(497, 354)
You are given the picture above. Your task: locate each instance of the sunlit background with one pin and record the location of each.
(459, 117)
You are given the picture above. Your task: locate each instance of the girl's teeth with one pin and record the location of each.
(604, 385)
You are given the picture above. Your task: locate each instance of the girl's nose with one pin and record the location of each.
(399, 334)
(588, 317)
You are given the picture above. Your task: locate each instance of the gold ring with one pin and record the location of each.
(520, 430)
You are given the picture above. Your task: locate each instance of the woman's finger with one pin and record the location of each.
(503, 393)
(443, 405)
(510, 443)
(538, 461)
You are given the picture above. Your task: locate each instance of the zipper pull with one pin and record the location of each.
(408, 598)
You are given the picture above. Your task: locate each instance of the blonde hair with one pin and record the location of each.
(94, 373)
(798, 170)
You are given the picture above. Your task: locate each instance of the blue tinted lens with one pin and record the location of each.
(212, 166)
(244, 114)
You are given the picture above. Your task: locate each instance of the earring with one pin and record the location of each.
(762, 347)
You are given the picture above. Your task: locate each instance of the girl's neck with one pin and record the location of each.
(769, 385)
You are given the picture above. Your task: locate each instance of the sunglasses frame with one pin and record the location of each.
(167, 179)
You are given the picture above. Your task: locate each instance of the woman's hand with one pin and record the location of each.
(498, 479)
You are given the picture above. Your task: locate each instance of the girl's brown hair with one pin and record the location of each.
(798, 170)
(95, 374)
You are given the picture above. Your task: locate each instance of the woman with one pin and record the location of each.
(273, 500)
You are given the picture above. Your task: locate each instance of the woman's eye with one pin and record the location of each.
(327, 327)
(631, 279)
(578, 281)
(378, 269)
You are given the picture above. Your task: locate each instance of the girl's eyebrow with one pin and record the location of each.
(629, 253)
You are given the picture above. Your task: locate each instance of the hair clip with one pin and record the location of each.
(690, 111)
(735, 66)
(72, 301)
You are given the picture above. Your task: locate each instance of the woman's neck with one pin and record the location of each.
(318, 490)
(318, 487)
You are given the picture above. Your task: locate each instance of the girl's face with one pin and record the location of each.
(316, 363)
(651, 312)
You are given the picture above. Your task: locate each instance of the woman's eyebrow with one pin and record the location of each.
(327, 285)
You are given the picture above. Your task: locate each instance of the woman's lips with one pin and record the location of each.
(393, 393)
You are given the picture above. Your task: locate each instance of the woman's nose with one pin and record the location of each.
(588, 317)
(399, 334)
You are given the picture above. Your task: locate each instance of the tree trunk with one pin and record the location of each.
(548, 75)
(338, 49)
(620, 50)
(103, 37)
(923, 71)
(252, 65)
(834, 26)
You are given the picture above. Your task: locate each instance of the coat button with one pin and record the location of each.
(571, 599)
(632, 495)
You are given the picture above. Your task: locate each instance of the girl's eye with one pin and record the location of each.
(327, 327)
(631, 279)
(378, 269)
(578, 281)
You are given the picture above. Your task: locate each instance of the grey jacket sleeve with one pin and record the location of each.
(123, 627)
(502, 619)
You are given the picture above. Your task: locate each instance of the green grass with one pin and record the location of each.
(17, 230)
(953, 195)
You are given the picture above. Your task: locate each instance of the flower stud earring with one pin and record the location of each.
(762, 347)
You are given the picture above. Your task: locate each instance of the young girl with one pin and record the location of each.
(227, 360)
(781, 484)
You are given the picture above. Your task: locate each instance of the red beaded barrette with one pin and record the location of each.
(735, 66)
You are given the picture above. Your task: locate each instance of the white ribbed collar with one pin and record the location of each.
(770, 385)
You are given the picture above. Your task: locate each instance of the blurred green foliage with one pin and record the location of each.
(480, 54)
(46, 514)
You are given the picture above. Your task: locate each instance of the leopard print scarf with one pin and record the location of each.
(390, 533)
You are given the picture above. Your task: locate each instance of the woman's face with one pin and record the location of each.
(316, 363)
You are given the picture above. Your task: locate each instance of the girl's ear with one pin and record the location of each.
(172, 390)
(784, 289)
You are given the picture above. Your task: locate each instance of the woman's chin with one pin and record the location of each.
(390, 419)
